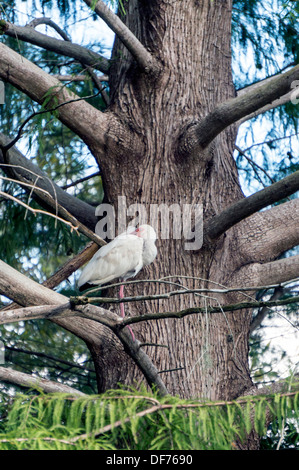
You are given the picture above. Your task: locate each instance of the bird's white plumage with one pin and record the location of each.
(122, 258)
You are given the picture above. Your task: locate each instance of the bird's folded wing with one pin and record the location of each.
(115, 260)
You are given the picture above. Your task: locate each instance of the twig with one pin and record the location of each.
(223, 289)
(254, 164)
(81, 180)
(84, 299)
(38, 211)
(210, 310)
(79, 78)
(6, 147)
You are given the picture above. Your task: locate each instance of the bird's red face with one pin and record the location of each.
(139, 231)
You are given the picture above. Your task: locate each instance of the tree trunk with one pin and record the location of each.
(192, 43)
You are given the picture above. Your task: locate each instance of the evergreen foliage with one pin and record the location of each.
(135, 420)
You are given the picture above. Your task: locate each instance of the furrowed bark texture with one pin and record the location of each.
(192, 44)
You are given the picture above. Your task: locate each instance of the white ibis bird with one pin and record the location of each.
(122, 258)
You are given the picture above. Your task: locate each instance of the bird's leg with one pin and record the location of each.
(121, 296)
(122, 308)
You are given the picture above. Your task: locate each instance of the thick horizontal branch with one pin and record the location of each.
(75, 112)
(65, 48)
(266, 235)
(200, 135)
(34, 313)
(274, 104)
(280, 270)
(26, 380)
(249, 205)
(142, 56)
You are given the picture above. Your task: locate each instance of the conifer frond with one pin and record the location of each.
(131, 420)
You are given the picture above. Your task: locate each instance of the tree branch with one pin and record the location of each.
(26, 380)
(264, 311)
(208, 310)
(19, 167)
(85, 120)
(274, 104)
(85, 299)
(28, 34)
(266, 235)
(249, 205)
(34, 313)
(142, 56)
(89, 69)
(200, 135)
(280, 270)
(79, 78)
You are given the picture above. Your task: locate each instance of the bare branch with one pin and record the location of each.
(142, 56)
(19, 167)
(85, 299)
(72, 265)
(208, 310)
(200, 135)
(80, 78)
(249, 205)
(264, 311)
(66, 48)
(89, 69)
(25, 380)
(49, 22)
(274, 104)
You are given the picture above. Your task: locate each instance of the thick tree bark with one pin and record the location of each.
(196, 76)
(154, 147)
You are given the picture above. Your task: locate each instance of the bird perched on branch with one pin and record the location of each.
(122, 258)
